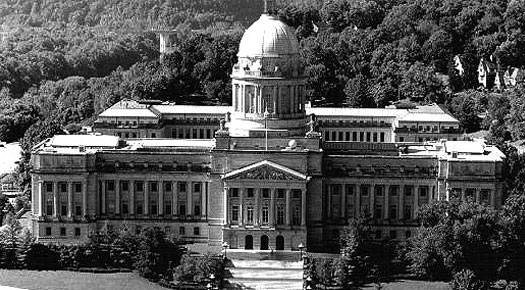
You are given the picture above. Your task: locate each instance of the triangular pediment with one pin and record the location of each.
(265, 170)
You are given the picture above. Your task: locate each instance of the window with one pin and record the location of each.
(167, 186)
(125, 209)
(340, 136)
(197, 210)
(49, 207)
(408, 190)
(423, 191)
(296, 215)
(265, 193)
(63, 209)
(77, 232)
(167, 207)
(196, 187)
(182, 230)
(249, 214)
(327, 135)
(208, 134)
(201, 133)
(48, 231)
(378, 235)
(354, 136)
(62, 232)
(139, 208)
(408, 212)
(153, 186)
(484, 195)
(182, 209)
(234, 192)
(249, 192)
(393, 190)
(334, 136)
(235, 213)
(49, 187)
(265, 215)
(368, 135)
(393, 234)
(78, 210)
(77, 187)
(408, 234)
(110, 185)
(378, 214)
(194, 133)
(154, 208)
(196, 231)
(63, 187)
(375, 137)
(382, 137)
(124, 185)
(182, 186)
(280, 192)
(347, 136)
(379, 190)
(174, 133)
(296, 193)
(364, 190)
(469, 193)
(153, 135)
(350, 188)
(280, 214)
(401, 139)
(139, 186)
(361, 136)
(393, 212)
(167, 230)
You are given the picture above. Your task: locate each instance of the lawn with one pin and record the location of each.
(412, 285)
(65, 280)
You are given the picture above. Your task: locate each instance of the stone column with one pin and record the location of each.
(401, 202)
(55, 200)
(386, 195)
(70, 200)
(204, 194)
(357, 197)
(42, 199)
(174, 199)
(271, 209)
(117, 196)
(103, 197)
(189, 199)
(84, 199)
(160, 188)
(146, 197)
(256, 209)
(288, 208)
(241, 206)
(416, 202)
(303, 207)
(131, 188)
(225, 205)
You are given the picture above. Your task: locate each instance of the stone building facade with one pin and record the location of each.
(269, 172)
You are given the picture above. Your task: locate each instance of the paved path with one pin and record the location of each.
(266, 274)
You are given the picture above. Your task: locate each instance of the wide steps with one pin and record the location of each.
(265, 285)
(266, 273)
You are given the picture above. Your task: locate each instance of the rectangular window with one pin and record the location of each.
(378, 235)
(124, 185)
(49, 207)
(63, 210)
(197, 210)
(393, 190)
(125, 209)
(266, 193)
(63, 187)
(364, 190)
(340, 136)
(208, 134)
(182, 209)
(201, 133)
(280, 192)
(235, 213)
(423, 191)
(249, 192)
(407, 213)
(167, 208)
(182, 230)
(469, 193)
(347, 135)
(153, 135)
(361, 136)
(368, 136)
(382, 137)
(485, 195)
(334, 136)
(138, 230)
(350, 189)
(182, 186)
(280, 214)
(234, 192)
(393, 234)
(110, 185)
(49, 187)
(196, 231)
(48, 231)
(249, 214)
(194, 133)
(297, 193)
(153, 186)
(78, 210)
(354, 136)
(77, 232)
(154, 208)
(167, 186)
(375, 137)
(296, 215)
(408, 234)
(77, 187)
(265, 215)
(139, 186)
(393, 212)
(408, 190)
(378, 214)
(62, 232)
(379, 190)
(327, 135)
(167, 230)
(196, 187)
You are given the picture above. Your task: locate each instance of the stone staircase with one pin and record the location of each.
(255, 270)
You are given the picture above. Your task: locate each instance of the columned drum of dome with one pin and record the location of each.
(268, 84)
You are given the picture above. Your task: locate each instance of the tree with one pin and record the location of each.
(465, 108)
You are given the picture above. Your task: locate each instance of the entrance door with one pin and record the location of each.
(248, 242)
(279, 243)
(264, 242)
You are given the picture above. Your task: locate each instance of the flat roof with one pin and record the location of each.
(128, 112)
(428, 117)
(190, 109)
(358, 112)
(464, 147)
(186, 143)
(103, 141)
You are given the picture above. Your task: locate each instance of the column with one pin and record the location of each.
(189, 199)
(103, 197)
(131, 197)
(160, 187)
(117, 196)
(225, 205)
(241, 206)
(343, 201)
(204, 195)
(146, 197)
(303, 207)
(386, 195)
(55, 200)
(256, 209)
(271, 209)
(357, 201)
(174, 199)
(41, 198)
(329, 200)
(416, 201)
(401, 202)
(477, 195)
(84, 199)
(288, 208)
(69, 200)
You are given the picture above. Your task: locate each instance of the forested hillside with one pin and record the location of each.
(62, 62)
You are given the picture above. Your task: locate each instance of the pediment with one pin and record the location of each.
(265, 170)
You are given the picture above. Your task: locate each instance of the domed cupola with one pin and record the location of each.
(268, 82)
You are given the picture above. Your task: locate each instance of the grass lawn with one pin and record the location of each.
(65, 280)
(412, 285)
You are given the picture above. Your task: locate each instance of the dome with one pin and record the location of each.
(268, 37)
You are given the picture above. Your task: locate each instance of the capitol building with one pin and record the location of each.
(268, 173)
